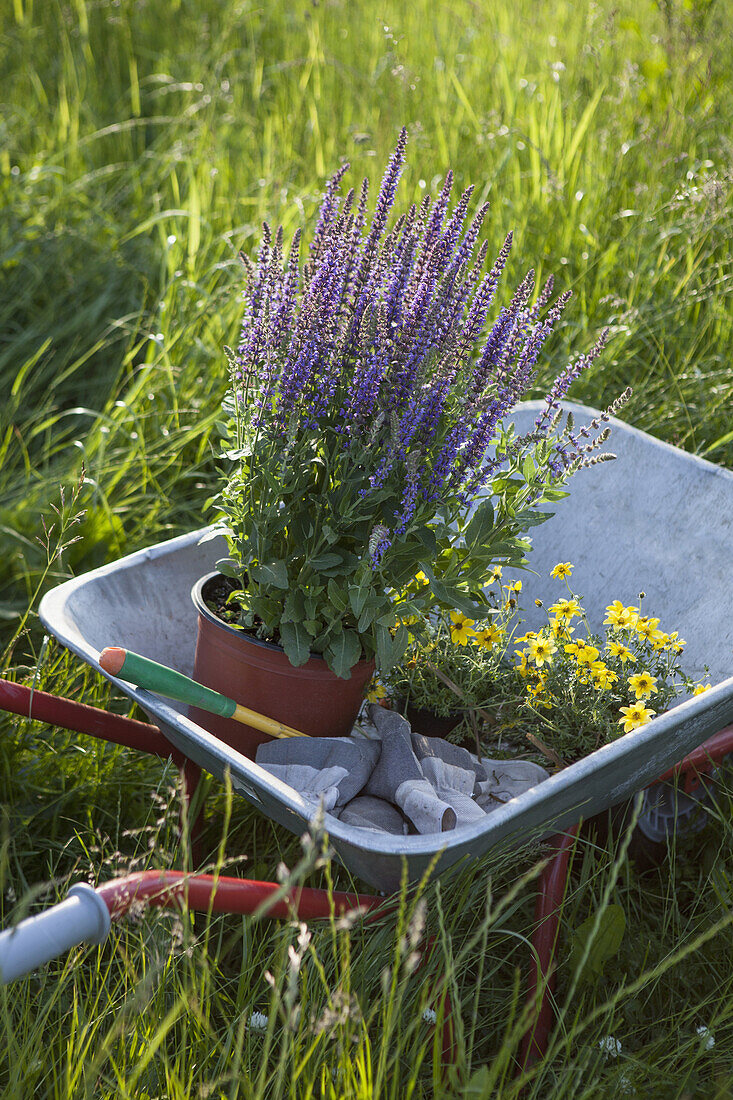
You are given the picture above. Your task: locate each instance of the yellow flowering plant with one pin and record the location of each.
(582, 689)
(564, 687)
(451, 660)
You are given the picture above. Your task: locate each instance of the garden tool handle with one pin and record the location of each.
(82, 917)
(145, 673)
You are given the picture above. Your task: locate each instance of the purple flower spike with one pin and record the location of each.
(382, 360)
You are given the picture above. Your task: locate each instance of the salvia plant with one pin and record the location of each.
(365, 425)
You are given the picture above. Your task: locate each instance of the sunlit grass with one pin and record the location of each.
(142, 146)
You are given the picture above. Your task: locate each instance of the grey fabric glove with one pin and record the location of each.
(453, 772)
(367, 812)
(506, 779)
(398, 777)
(327, 770)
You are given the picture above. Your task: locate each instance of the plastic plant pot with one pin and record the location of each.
(259, 675)
(429, 723)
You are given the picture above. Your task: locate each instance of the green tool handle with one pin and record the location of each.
(166, 681)
(145, 673)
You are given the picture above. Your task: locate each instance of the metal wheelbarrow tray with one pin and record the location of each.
(657, 520)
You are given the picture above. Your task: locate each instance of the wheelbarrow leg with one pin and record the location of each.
(548, 907)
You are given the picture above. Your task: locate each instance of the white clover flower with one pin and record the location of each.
(704, 1033)
(258, 1021)
(624, 1085)
(429, 1015)
(609, 1046)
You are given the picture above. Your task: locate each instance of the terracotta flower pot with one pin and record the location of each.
(258, 674)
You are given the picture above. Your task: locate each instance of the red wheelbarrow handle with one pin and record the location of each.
(40, 706)
(86, 914)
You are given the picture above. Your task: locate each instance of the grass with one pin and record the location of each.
(143, 144)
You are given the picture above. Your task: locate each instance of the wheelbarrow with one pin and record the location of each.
(656, 520)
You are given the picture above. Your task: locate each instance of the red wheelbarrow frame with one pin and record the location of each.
(235, 895)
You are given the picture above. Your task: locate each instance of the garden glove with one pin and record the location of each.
(324, 770)
(505, 780)
(367, 812)
(398, 778)
(452, 772)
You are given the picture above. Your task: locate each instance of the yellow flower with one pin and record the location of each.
(635, 716)
(522, 666)
(603, 677)
(495, 574)
(514, 586)
(536, 691)
(701, 688)
(461, 631)
(541, 650)
(376, 692)
(675, 643)
(562, 569)
(421, 578)
(488, 636)
(623, 652)
(647, 628)
(661, 641)
(586, 655)
(566, 609)
(643, 684)
(526, 637)
(561, 628)
(620, 617)
(408, 620)
(538, 687)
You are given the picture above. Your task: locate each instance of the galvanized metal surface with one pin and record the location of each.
(657, 520)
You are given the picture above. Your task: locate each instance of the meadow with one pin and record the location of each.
(143, 143)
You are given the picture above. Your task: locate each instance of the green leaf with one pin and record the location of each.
(390, 649)
(366, 617)
(357, 599)
(325, 561)
(532, 518)
(236, 454)
(293, 608)
(337, 597)
(481, 524)
(343, 652)
(437, 587)
(311, 603)
(384, 647)
(271, 572)
(605, 943)
(296, 642)
(428, 539)
(228, 568)
(400, 643)
(478, 1086)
